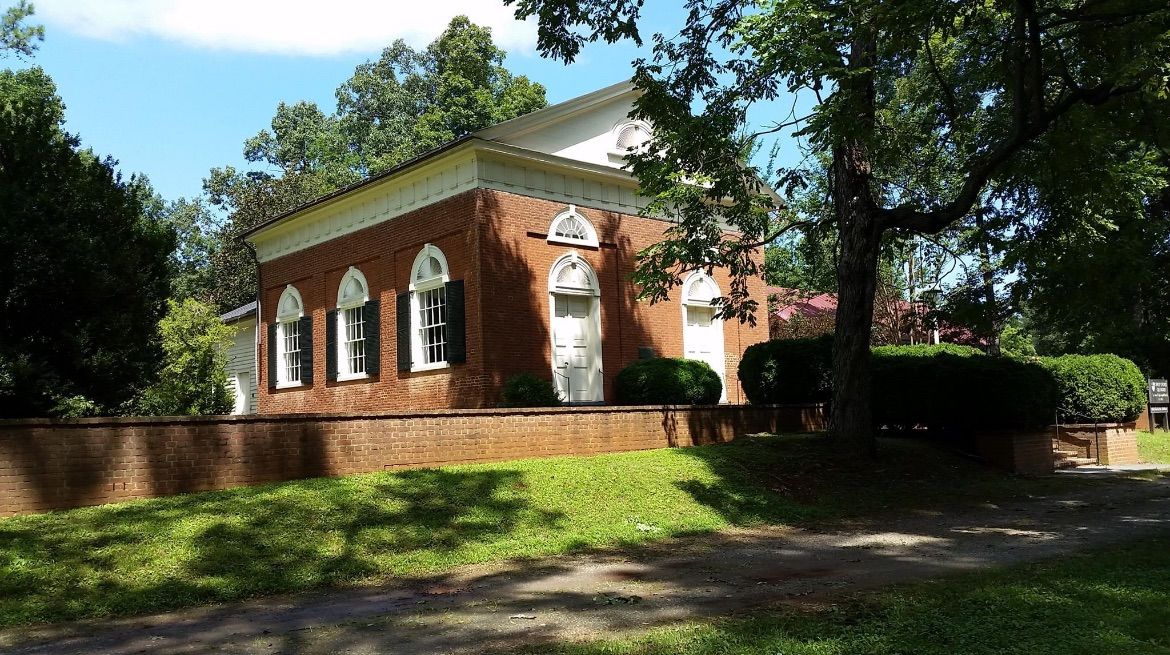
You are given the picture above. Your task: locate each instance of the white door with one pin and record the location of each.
(241, 390)
(575, 349)
(703, 340)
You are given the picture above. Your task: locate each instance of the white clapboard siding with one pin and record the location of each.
(241, 361)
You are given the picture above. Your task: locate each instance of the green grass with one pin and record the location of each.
(1110, 601)
(1154, 447)
(174, 552)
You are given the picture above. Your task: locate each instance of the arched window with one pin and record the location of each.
(290, 309)
(571, 274)
(353, 325)
(570, 227)
(700, 289)
(632, 136)
(428, 279)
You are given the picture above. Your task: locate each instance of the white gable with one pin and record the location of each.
(584, 129)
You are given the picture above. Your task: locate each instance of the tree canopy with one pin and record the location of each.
(390, 110)
(193, 379)
(84, 268)
(920, 108)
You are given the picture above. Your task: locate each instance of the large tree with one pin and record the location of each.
(392, 109)
(952, 92)
(83, 267)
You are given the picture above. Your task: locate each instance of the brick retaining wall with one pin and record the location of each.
(1019, 451)
(1110, 443)
(47, 464)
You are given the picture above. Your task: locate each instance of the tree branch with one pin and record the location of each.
(930, 222)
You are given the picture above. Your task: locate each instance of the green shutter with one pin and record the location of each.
(272, 355)
(331, 345)
(402, 326)
(456, 323)
(371, 316)
(306, 327)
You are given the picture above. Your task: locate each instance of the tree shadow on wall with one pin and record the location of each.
(515, 268)
(171, 552)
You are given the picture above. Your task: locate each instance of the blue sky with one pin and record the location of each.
(172, 88)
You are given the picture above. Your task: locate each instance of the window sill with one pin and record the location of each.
(352, 377)
(289, 385)
(430, 367)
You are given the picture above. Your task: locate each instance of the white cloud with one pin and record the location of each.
(289, 27)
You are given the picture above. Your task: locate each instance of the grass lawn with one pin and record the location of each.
(167, 553)
(1110, 601)
(1154, 447)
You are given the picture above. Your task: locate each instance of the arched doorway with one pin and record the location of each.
(702, 330)
(575, 309)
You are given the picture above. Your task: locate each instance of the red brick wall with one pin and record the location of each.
(517, 259)
(384, 253)
(1109, 443)
(48, 464)
(1019, 451)
(495, 242)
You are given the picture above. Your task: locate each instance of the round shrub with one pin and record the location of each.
(788, 371)
(1098, 388)
(668, 381)
(528, 390)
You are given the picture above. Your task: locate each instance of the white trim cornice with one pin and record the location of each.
(475, 164)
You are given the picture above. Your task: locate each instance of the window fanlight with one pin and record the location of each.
(571, 228)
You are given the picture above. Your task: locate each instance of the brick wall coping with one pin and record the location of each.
(100, 421)
(1122, 424)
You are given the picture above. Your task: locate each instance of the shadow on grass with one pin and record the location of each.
(185, 550)
(1111, 600)
(799, 478)
(168, 553)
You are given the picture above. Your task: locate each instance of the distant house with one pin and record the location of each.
(241, 358)
(506, 251)
(793, 313)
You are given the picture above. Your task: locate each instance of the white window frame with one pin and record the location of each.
(288, 316)
(417, 288)
(343, 306)
(590, 240)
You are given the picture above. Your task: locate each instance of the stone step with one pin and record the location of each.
(1073, 462)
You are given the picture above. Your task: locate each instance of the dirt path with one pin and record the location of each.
(568, 598)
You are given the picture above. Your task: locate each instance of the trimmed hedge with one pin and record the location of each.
(940, 386)
(668, 381)
(1098, 388)
(785, 371)
(949, 387)
(528, 390)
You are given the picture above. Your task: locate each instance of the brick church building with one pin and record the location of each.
(505, 251)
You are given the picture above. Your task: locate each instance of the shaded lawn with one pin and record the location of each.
(1110, 601)
(1154, 447)
(167, 553)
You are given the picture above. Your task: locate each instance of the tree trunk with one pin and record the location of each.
(988, 278)
(851, 415)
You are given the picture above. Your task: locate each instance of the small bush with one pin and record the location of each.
(668, 381)
(950, 387)
(1098, 388)
(528, 390)
(788, 371)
